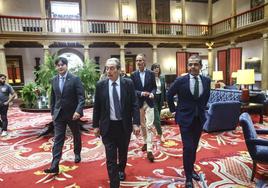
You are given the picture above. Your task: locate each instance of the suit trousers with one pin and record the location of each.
(3, 112)
(190, 138)
(59, 137)
(116, 143)
(147, 121)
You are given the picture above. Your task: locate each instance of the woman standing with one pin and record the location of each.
(159, 99)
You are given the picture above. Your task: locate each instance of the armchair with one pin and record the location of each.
(257, 147)
(222, 116)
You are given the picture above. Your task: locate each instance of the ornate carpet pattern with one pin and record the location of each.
(222, 158)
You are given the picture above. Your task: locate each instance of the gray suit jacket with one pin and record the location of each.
(129, 104)
(63, 105)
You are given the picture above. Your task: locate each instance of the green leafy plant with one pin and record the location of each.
(29, 94)
(89, 77)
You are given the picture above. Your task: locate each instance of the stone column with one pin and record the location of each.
(266, 10)
(184, 31)
(43, 16)
(46, 51)
(155, 60)
(3, 63)
(233, 14)
(184, 47)
(264, 65)
(84, 16)
(120, 13)
(86, 53)
(153, 17)
(210, 58)
(122, 56)
(210, 12)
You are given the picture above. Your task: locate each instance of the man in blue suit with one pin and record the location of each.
(145, 86)
(193, 91)
(67, 102)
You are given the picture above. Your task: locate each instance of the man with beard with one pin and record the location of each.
(7, 94)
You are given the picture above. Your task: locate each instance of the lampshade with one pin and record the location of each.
(234, 75)
(245, 77)
(217, 75)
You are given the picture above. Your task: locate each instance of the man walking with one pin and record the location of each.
(193, 91)
(115, 116)
(7, 94)
(67, 102)
(145, 86)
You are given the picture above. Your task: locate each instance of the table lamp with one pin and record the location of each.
(217, 76)
(245, 77)
(234, 76)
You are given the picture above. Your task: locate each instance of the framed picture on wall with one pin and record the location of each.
(15, 70)
(256, 65)
(130, 64)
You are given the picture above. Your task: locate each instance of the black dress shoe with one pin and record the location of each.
(52, 170)
(195, 176)
(77, 158)
(122, 176)
(150, 156)
(189, 184)
(144, 147)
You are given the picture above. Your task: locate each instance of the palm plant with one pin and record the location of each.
(89, 76)
(29, 94)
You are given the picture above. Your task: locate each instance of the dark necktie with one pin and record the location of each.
(117, 105)
(196, 88)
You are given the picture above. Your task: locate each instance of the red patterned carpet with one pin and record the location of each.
(222, 159)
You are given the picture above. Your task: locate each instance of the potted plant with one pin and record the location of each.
(29, 94)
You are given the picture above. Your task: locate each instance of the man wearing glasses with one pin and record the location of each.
(193, 91)
(145, 86)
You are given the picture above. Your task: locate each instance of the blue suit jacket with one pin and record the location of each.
(149, 85)
(185, 110)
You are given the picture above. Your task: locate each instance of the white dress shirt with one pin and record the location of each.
(192, 82)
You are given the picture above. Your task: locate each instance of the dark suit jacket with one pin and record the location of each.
(63, 105)
(163, 90)
(149, 85)
(186, 106)
(129, 106)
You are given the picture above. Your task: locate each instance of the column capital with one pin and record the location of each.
(3, 42)
(183, 47)
(154, 44)
(121, 44)
(86, 44)
(210, 45)
(265, 35)
(46, 43)
(233, 43)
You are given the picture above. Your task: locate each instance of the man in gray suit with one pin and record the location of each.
(115, 116)
(67, 102)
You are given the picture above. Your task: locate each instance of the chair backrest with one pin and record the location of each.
(249, 132)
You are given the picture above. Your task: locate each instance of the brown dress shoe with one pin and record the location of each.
(144, 147)
(150, 156)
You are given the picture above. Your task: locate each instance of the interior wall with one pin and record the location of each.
(102, 9)
(196, 13)
(20, 8)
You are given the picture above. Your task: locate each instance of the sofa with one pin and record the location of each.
(223, 110)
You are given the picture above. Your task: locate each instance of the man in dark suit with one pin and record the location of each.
(67, 102)
(145, 86)
(115, 116)
(193, 91)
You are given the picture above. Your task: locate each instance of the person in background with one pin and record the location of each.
(7, 94)
(193, 91)
(67, 103)
(159, 99)
(103, 76)
(115, 116)
(145, 86)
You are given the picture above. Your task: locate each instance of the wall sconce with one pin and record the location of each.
(126, 11)
(178, 14)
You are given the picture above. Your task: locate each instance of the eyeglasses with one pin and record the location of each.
(139, 60)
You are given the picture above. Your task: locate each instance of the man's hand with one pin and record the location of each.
(145, 93)
(151, 95)
(136, 130)
(5, 103)
(76, 116)
(97, 132)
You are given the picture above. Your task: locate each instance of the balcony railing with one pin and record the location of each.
(249, 17)
(116, 27)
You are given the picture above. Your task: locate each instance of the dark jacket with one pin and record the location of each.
(149, 85)
(63, 105)
(186, 104)
(129, 106)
